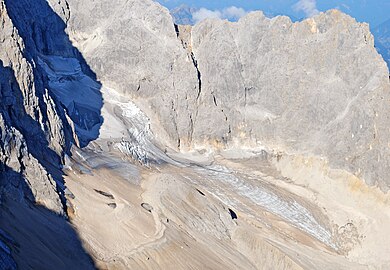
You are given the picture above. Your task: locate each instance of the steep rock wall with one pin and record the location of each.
(33, 134)
(316, 87)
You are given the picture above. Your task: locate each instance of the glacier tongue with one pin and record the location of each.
(224, 180)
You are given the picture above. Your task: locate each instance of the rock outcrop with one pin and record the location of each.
(33, 133)
(39, 124)
(306, 87)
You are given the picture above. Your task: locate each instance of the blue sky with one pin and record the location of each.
(374, 12)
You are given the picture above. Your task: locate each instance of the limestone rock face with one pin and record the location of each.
(35, 136)
(136, 52)
(31, 130)
(316, 87)
(40, 116)
(305, 87)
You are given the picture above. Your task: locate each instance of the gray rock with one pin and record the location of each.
(112, 205)
(316, 87)
(30, 125)
(137, 52)
(38, 126)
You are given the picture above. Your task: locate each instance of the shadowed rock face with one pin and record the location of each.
(35, 135)
(39, 125)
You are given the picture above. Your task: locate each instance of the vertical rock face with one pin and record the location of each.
(39, 115)
(306, 87)
(33, 134)
(317, 87)
(135, 50)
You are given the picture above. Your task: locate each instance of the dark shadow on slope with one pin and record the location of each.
(37, 237)
(38, 230)
(15, 116)
(232, 214)
(46, 41)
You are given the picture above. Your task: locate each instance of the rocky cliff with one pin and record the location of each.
(305, 87)
(316, 87)
(38, 125)
(33, 131)
(35, 127)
